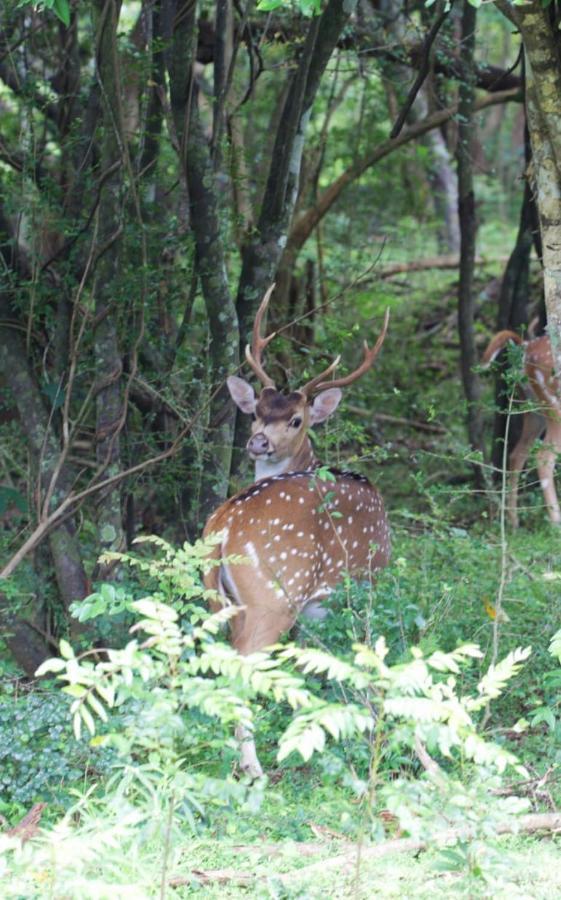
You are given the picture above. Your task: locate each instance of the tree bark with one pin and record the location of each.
(50, 475)
(109, 367)
(538, 29)
(210, 255)
(468, 229)
(262, 254)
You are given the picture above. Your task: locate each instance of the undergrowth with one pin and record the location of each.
(345, 732)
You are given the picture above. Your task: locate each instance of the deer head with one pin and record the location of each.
(279, 439)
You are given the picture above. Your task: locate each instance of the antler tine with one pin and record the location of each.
(310, 386)
(258, 343)
(317, 385)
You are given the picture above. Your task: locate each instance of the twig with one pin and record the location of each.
(430, 765)
(504, 550)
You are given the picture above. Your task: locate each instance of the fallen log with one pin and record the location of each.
(527, 824)
(347, 861)
(432, 262)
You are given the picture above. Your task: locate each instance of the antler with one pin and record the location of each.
(318, 384)
(259, 343)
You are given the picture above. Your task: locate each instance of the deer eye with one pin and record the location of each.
(253, 417)
(296, 422)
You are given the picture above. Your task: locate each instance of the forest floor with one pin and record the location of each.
(524, 868)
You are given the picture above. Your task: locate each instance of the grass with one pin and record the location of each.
(526, 868)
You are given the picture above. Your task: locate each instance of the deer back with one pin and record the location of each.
(298, 535)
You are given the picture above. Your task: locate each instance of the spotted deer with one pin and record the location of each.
(299, 532)
(542, 387)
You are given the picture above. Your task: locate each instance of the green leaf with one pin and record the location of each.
(50, 665)
(97, 706)
(75, 690)
(88, 719)
(555, 645)
(543, 714)
(61, 9)
(53, 391)
(66, 650)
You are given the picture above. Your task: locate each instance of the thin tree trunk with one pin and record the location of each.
(468, 229)
(210, 255)
(444, 183)
(109, 367)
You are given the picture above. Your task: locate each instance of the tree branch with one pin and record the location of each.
(306, 223)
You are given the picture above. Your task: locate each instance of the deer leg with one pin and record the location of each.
(251, 630)
(249, 761)
(546, 459)
(532, 426)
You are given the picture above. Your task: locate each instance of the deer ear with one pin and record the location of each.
(242, 394)
(324, 405)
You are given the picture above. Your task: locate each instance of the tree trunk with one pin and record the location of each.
(444, 183)
(540, 35)
(210, 255)
(468, 228)
(50, 476)
(109, 367)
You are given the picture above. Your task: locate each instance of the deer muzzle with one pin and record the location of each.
(258, 445)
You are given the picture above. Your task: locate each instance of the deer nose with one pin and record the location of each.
(258, 444)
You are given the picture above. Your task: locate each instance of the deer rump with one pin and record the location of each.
(298, 535)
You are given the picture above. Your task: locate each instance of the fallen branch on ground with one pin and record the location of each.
(346, 861)
(433, 262)
(527, 824)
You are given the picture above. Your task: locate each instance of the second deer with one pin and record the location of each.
(298, 532)
(542, 387)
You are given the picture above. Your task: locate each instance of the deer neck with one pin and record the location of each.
(302, 460)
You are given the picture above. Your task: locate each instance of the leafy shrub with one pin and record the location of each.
(39, 760)
(170, 697)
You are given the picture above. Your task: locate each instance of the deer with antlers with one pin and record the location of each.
(542, 387)
(298, 532)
